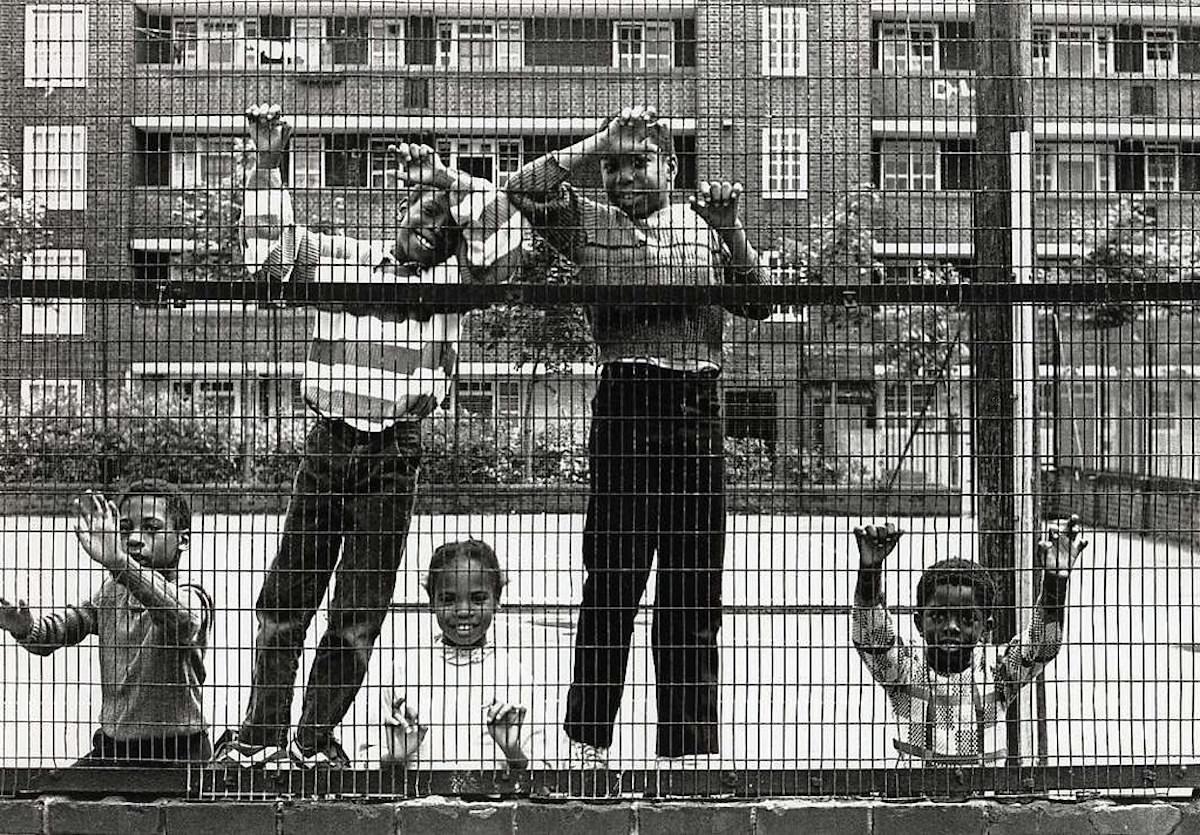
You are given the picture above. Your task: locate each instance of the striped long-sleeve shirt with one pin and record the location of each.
(372, 369)
(671, 246)
(956, 718)
(151, 658)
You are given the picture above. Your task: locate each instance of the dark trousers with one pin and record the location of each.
(657, 467)
(349, 515)
(152, 752)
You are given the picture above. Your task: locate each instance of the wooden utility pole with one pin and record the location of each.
(1005, 435)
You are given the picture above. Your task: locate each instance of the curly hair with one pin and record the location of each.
(179, 509)
(959, 572)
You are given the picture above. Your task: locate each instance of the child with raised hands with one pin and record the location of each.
(462, 702)
(656, 445)
(373, 372)
(950, 696)
(151, 629)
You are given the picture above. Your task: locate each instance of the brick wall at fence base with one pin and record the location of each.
(1169, 508)
(58, 815)
(54, 499)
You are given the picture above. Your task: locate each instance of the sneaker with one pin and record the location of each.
(331, 755)
(588, 757)
(233, 753)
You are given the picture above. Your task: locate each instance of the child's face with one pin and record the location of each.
(464, 600)
(638, 184)
(952, 623)
(425, 234)
(147, 534)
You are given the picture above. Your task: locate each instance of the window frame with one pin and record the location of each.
(199, 154)
(1102, 43)
(1078, 149)
(777, 61)
(798, 148)
(1162, 150)
(644, 64)
(243, 42)
(1149, 68)
(74, 386)
(74, 263)
(42, 57)
(507, 37)
(57, 198)
(908, 29)
(934, 177)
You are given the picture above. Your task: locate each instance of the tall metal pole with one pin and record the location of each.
(1002, 356)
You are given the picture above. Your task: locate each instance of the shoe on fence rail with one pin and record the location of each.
(231, 752)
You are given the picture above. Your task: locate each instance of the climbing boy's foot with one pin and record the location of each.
(231, 752)
(330, 755)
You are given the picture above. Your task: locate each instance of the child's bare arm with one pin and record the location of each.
(717, 204)
(181, 615)
(560, 214)
(871, 627)
(274, 244)
(1028, 653)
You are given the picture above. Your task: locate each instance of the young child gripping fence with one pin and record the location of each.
(151, 629)
(373, 372)
(462, 701)
(656, 443)
(950, 698)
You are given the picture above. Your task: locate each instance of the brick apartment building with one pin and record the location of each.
(117, 110)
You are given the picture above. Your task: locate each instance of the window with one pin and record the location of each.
(910, 400)
(956, 164)
(474, 397)
(480, 45)
(907, 49)
(152, 39)
(40, 393)
(1162, 168)
(347, 160)
(387, 44)
(785, 163)
(1159, 52)
(751, 413)
(495, 161)
(508, 398)
(214, 42)
(784, 40)
(56, 46)
(349, 41)
(1073, 168)
(152, 266)
(1076, 51)
(307, 154)
(54, 317)
(202, 161)
(55, 165)
(908, 166)
(210, 397)
(784, 271)
(151, 159)
(643, 46)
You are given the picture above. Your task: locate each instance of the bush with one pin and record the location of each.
(68, 441)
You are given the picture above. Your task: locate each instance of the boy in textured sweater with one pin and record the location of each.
(151, 629)
(950, 697)
(372, 373)
(656, 443)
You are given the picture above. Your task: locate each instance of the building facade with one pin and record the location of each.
(121, 113)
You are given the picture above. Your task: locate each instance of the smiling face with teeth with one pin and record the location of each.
(464, 596)
(426, 233)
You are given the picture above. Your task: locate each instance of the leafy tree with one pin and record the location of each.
(1128, 247)
(543, 339)
(21, 221)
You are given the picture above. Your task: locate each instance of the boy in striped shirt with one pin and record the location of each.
(372, 373)
(950, 698)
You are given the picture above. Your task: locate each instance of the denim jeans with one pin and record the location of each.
(348, 516)
(656, 453)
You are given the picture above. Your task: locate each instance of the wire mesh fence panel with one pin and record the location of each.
(595, 398)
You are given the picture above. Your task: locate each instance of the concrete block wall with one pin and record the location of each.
(65, 816)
